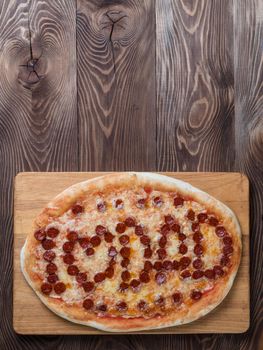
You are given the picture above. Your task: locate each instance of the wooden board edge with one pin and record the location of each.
(18, 179)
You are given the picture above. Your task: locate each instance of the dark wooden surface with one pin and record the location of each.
(131, 84)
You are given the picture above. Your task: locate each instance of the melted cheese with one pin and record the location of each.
(151, 218)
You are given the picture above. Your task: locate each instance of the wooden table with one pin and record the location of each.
(163, 85)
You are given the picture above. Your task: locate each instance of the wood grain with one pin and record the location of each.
(249, 145)
(116, 84)
(211, 57)
(38, 129)
(194, 84)
(34, 190)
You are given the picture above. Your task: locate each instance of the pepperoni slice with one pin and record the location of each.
(124, 239)
(129, 222)
(59, 287)
(123, 286)
(112, 262)
(46, 288)
(99, 277)
(72, 236)
(158, 265)
(100, 230)
(68, 259)
(109, 272)
(209, 273)
(108, 237)
(176, 265)
(148, 253)
(147, 266)
(162, 241)
(51, 268)
(88, 286)
(183, 248)
(197, 274)
(145, 240)
(181, 236)
(190, 214)
(224, 260)
(218, 270)
(141, 203)
(160, 301)
(160, 278)
(52, 278)
(142, 305)
(49, 255)
(121, 227)
(144, 277)
(52, 232)
(148, 189)
(197, 237)
(228, 249)
(112, 251)
(185, 274)
(197, 263)
(81, 277)
(77, 209)
(227, 240)
(198, 249)
(161, 253)
(135, 283)
(196, 295)
(125, 262)
(101, 207)
(90, 251)
(195, 227)
(84, 242)
(157, 201)
(165, 229)
(73, 270)
(202, 217)
(40, 235)
(68, 247)
(121, 306)
(185, 261)
(175, 228)
(88, 304)
(177, 297)
(125, 276)
(119, 204)
(213, 221)
(102, 307)
(169, 220)
(167, 265)
(178, 201)
(95, 241)
(221, 231)
(138, 230)
(48, 244)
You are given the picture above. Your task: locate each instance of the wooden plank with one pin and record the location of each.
(38, 124)
(34, 190)
(194, 85)
(248, 26)
(116, 84)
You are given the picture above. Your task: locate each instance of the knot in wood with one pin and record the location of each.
(114, 24)
(29, 73)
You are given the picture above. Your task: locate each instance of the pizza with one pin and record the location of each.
(132, 251)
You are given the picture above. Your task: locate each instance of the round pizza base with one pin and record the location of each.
(75, 314)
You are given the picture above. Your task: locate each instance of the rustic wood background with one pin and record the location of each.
(131, 85)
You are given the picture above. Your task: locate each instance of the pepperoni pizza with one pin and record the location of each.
(132, 251)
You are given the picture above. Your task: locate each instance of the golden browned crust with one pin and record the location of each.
(73, 313)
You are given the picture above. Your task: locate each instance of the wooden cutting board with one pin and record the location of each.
(34, 190)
